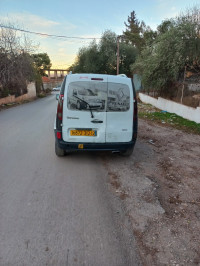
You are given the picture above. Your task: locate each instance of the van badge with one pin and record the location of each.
(70, 117)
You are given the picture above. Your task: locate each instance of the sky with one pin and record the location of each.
(88, 19)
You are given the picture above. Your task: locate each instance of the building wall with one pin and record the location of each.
(31, 90)
(30, 95)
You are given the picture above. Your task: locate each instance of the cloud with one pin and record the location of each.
(61, 51)
(92, 36)
(63, 61)
(61, 56)
(172, 8)
(34, 22)
(166, 9)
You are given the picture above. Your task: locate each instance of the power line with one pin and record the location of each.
(48, 35)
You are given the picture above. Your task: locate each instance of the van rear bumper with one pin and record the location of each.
(75, 146)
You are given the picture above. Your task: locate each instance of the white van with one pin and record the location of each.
(96, 112)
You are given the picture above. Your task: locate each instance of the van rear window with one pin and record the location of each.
(83, 95)
(100, 96)
(118, 97)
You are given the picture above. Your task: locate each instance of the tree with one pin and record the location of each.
(175, 50)
(149, 36)
(165, 26)
(138, 33)
(87, 60)
(97, 58)
(134, 31)
(101, 58)
(16, 64)
(42, 62)
(128, 54)
(107, 52)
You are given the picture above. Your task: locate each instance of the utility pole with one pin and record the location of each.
(183, 86)
(118, 55)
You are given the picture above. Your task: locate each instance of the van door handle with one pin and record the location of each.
(97, 121)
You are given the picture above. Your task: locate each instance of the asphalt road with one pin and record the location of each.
(55, 211)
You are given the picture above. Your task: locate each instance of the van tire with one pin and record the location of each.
(127, 152)
(59, 152)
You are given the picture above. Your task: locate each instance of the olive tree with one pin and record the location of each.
(175, 50)
(102, 57)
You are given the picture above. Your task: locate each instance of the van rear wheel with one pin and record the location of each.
(59, 152)
(127, 152)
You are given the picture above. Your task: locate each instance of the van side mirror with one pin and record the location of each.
(57, 97)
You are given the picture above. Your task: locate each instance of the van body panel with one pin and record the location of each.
(119, 120)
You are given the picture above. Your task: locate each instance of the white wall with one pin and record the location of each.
(184, 111)
(31, 90)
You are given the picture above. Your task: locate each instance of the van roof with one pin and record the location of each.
(100, 77)
(96, 74)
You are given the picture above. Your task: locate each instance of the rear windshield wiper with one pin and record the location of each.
(92, 116)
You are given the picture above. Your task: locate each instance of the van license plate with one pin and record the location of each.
(87, 133)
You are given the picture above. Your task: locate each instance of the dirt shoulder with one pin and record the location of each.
(160, 186)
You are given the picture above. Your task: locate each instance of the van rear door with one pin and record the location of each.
(84, 109)
(119, 121)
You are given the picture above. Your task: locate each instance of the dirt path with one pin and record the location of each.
(160, 186)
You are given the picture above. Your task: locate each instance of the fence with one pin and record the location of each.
(184, 111)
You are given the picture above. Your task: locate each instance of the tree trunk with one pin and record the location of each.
(183, 86)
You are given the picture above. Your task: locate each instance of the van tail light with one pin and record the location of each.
(135, 119)
(60, 107)
(135, 112)
(59, 135)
